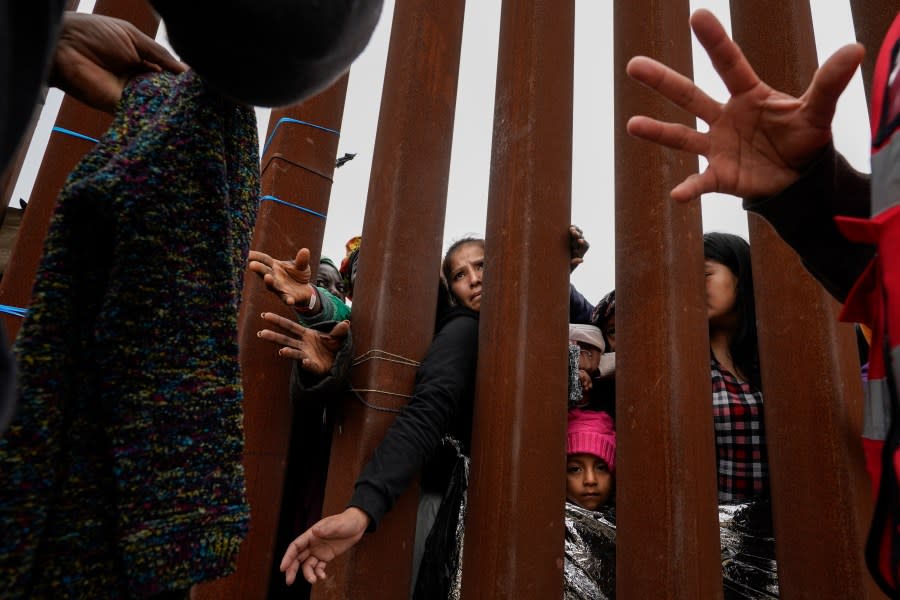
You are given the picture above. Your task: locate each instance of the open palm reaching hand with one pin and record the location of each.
(761, 139)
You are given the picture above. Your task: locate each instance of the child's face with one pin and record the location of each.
(588, 481)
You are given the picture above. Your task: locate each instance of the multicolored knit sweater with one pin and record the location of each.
(121, 476)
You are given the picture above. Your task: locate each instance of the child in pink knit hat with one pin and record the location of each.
(590, 458)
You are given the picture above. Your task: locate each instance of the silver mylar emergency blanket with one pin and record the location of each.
(745, 533)
(590, 566)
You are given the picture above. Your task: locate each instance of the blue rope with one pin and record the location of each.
(80, 136)
(289, 120)
(297, 206)
(12, 310)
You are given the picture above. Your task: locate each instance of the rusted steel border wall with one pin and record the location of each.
(396, 291)
(666, 487)
(810, 366)
(514, 528)
(871, 19)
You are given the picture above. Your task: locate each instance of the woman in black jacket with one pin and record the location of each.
(441, 404)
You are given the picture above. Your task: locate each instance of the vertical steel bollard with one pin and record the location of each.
(396, 291)
(515, 522)
(810, 370)
(871, 19)
(667, 535)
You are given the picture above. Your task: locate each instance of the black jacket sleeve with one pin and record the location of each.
(444, 380)
(803, 215)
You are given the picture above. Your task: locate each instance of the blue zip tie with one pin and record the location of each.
(80, 136)
(13, 310)
(290, 120)
(297, 206)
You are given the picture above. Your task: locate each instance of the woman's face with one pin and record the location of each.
(721, 295)
(466, 266)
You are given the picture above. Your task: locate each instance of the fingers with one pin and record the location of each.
(153, 53)
(302, 259)
(674, 86)
(340, 330)
(695, 186)
(727, 58)
(308, 572)
(673, 135)
(320, 569)
(292, 554)
(279, 338)
(260, 257)
(260, 263)
(314, 569)
(286, 324)
(299, 556)
(829, 83)
(290, 574)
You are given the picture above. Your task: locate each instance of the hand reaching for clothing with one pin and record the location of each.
(315, 350)
(290, 279)
(761, 139)
(321, 543)
(95, 56)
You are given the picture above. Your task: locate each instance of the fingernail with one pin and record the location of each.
(259, 334)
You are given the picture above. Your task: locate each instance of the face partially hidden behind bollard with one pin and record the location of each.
(269, 52)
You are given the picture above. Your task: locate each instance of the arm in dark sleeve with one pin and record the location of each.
(446, 375)
(580, 310)
(803, 215)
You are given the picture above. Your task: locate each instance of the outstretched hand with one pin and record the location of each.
(95, 56)
(315, 350)
(759, 140)
(289, 279)
(321, 543)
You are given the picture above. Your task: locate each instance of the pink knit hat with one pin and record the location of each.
(592, 432)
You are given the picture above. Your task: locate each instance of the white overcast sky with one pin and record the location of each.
(592, 168)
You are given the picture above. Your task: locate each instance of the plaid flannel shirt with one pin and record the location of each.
(742, 465)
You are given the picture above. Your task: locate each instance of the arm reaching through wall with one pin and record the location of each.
(314, 350)
(322, 543)
(289, 279)
(761, 139)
